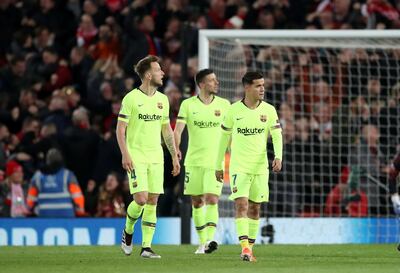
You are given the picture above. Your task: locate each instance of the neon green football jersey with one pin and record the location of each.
(204, 127)
(250, 129)
(145, 116)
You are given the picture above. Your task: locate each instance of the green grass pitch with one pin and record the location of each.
(180, 259)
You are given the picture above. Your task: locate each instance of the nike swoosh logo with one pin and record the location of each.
(239, 118)
(194, 113)
(140, 105)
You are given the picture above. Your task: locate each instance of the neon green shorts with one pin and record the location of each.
(199, 181)
(147, 177)
(252, 186)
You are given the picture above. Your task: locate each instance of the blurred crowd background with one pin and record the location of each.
(66, 65)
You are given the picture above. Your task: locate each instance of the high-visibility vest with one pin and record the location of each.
(56, 194)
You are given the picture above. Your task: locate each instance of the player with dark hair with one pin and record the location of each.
(203, 115)
(249, 122)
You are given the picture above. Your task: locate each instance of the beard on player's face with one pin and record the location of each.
(212, 90)
(156, 83)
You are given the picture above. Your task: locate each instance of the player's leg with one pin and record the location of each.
(194, 188)
(199, 221)
(212, 191)
(149, 222)
(138, 187)
(149, 218)
(254, 223)
(240, 186)
(211, 219)
(259, 192)
(242, 226)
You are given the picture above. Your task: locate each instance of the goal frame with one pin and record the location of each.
(306, 229)
(206, 34)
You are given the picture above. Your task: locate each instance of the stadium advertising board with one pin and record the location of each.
(314, 231)
(101, 231)
(85, 231)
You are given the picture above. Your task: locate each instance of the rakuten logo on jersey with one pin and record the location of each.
(206, 124)
(147, 117)
(250, 131)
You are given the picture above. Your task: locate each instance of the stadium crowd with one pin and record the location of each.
(65, 66)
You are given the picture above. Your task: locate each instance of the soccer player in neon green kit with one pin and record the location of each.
(249, 122)
(203, 115)
(143, 118)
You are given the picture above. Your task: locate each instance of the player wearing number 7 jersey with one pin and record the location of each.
(143, 118)
(249, 122)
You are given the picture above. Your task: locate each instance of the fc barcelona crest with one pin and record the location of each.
(159, 105)
(134, 184)
(217, 113)
(263, 118)
(234, 189)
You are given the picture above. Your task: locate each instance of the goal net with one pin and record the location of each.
(337, 94)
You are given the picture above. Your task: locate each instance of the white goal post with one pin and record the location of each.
(322, 35)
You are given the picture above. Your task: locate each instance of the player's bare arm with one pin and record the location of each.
(179, 127)
(168, 136)
(127, 162)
